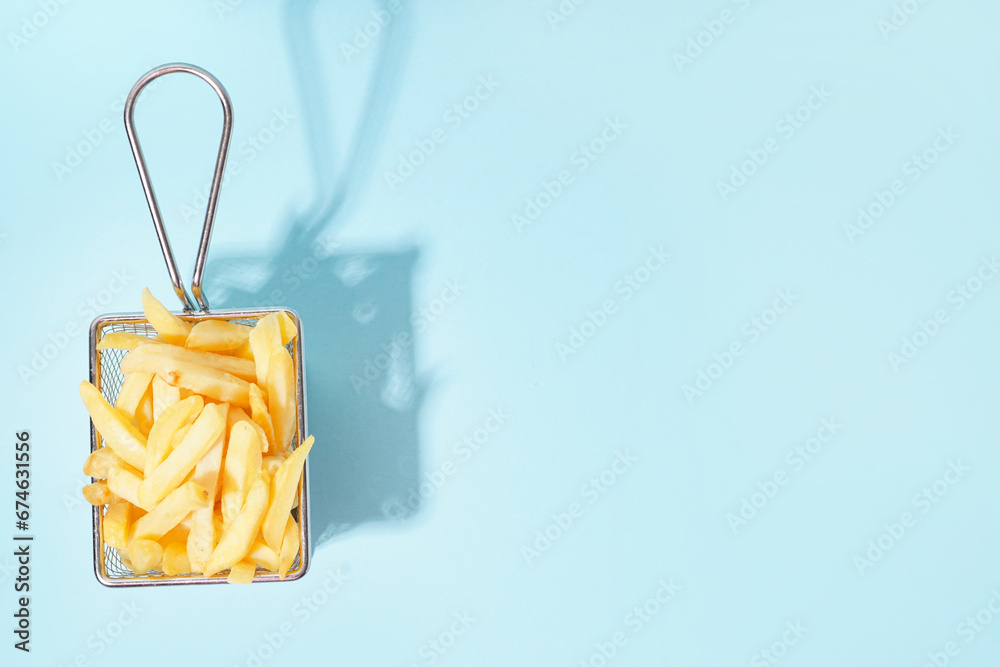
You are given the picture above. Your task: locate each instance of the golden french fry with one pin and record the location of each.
(143, 420)
(123, 438)
(99, 463)
(217, 336)
(175, 559)
(198, 378)
(178, 533)
(116, 524)
(170, 327)
(287, 327)
(239, 414)
(289, 547)
(264, 339)
(201, 539)
(271, 464)
(241, 469)
(144, 555)
(158, 356)
(261, 417)
(170, 511)
(124, 481)
(263, 555)
(164, 395)
(286, 485)
(281, 397)
(236, 540)
(242, 573)
(168, 475)
(119, 340)
(132, 391)
(171, 421)
(98, 493)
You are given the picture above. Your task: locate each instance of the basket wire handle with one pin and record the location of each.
(147, 186)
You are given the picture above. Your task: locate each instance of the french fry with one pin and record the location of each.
(271, 464)
(98, 493)
(287, 327)
(178, 533)
(116, 524)
(132, 391)
(168, 475)
(123, 438)
(120, 340)
(175, 559)
(170, 327)
(289, 547)
(236, 541)
(239, 414)
(261, 417)
(164, 395)
(201, 539)
(124, 481)
(155, 357)
(170, 511)
(144, 413)
(241, 469)
(263, 555)
(242, 573)
(264, 339)
(286, 485)
(281, 397)
(99, 463)
(144, 555)
(217, 336)
(171, 421)
(197, 378)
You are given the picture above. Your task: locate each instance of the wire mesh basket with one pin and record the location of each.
(110, 567)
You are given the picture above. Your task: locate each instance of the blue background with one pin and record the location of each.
(503, 314)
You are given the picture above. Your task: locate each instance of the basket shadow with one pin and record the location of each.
(363, 400)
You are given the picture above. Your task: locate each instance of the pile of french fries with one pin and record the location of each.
(197, 470)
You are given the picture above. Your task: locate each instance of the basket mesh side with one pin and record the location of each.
(110, 383)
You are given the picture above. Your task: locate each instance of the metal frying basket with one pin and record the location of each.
(105, 365)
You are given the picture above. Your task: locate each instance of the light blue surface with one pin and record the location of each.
(566, 327)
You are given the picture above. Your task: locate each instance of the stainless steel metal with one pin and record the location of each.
(147, 185)
(105, 365)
